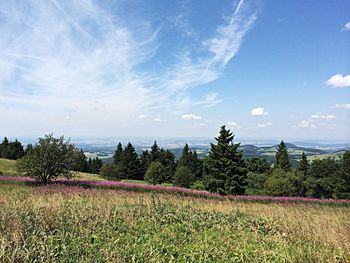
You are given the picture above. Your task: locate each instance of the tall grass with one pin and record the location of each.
(75, 224)
(8, 167)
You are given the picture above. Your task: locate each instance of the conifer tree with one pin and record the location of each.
(282, 157)
(303, 165)
(131, 163)
(224, 169)
(190, 160)
(145, 161)
(167, 159)
(186, 157)
(118, 154)
(155, 153)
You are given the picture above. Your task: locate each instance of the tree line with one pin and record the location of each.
(223, 171)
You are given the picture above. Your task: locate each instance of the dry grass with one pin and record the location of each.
(273, 232)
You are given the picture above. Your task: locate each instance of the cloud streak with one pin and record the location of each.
(76, 59)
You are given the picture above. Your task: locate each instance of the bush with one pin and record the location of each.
(156, 173)
(183, 177)
(255, 183)
(111, 171)
(198, 185)
(282, 183)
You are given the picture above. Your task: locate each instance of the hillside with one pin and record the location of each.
(92, 225)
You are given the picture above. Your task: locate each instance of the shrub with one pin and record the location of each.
(183, 177)
(282, 183)
(111, 171)
(198, 185)
(156, 173)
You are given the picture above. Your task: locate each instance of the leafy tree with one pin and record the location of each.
(257, 165)
(183, 177)
(324, 177)
(155, 173)
(282, 183)
(255, 183)
(51, 157)
(282, 157)
(224, 170)
(111, 171)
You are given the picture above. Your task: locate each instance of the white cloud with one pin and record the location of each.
(323, 116)
(346, 26)
(141, 116)
(188, 117)
(232, 123)
(157, 119)
(264, 125)
(339, 81)
(342, 106)
(259, 111)
(306, 124)
(210, 100)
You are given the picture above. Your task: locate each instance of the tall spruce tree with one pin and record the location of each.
(145, 158)
(131, 164)
(303, 165)
(155, 153)
(224, 170)
(167, 159)
(282, 157)
(190, 160)
(118, 154)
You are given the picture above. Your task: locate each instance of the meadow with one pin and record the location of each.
(89, 219)
(69, 223)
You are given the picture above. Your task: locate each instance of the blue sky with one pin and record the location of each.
(266, 69)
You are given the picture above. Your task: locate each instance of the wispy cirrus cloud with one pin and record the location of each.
(77, 59)
(190, 116)
(345, 106)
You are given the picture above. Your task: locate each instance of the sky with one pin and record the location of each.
(266, 69)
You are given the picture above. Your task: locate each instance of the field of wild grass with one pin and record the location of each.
(74, 224)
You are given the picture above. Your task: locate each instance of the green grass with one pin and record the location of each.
(67, 224)
(8, 167)
(142, 182)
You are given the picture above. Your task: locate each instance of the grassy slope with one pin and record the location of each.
(8, 167)
(90, 225)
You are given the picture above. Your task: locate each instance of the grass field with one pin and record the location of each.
(75, 224)
(8, 167)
